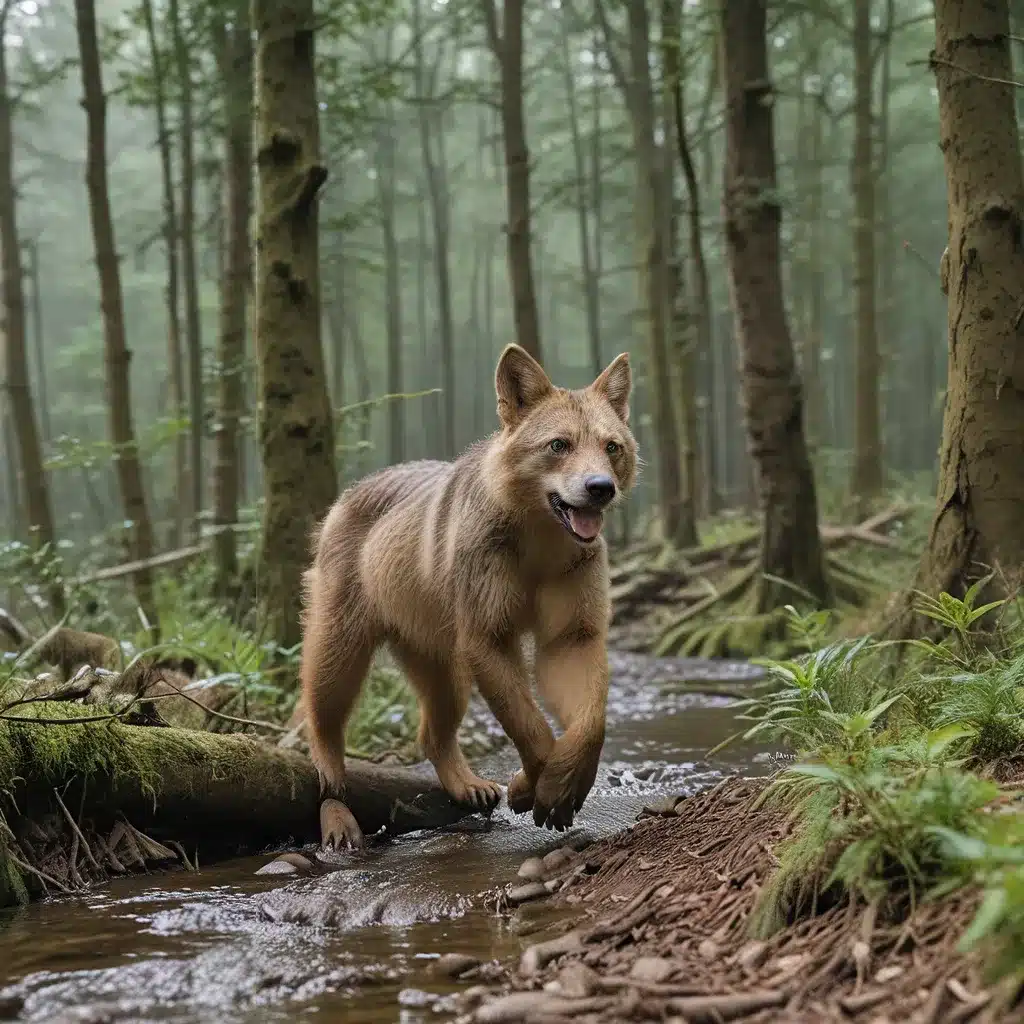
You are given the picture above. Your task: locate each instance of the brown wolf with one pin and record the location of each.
(452, 564)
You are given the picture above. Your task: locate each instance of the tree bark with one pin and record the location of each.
(506, 44)
(117, 355)
(866, 482)
(38, 510)
(980, 490)
(193, 333)
(790, 542)
(172, 290)
(234, 51)
(296, 422)
(39, 339)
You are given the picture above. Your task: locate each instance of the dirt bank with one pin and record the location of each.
(659, 929)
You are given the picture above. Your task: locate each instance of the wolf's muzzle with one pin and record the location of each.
(600, 488)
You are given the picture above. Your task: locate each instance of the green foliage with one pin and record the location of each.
(890, 789)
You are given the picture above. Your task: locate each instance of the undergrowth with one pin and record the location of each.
(905, 751)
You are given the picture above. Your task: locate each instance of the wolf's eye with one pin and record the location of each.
(558, 446)
(612, 448)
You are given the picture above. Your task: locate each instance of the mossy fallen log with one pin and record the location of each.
(66, 787)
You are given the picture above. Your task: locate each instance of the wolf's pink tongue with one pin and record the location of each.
(585, 524)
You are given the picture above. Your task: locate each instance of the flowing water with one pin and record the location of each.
(355, 944)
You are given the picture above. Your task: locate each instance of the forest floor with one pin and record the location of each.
(656, 925)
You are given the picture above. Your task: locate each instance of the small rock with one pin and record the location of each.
(577, 981)
(654, 969)
(708, 949)
(287, 864)
(557, 858)
(663, 808)
(454, 965)
(537, 957)
(753, 955)
(884, 974)
(529, 891)
(553, 884)
(531, 870)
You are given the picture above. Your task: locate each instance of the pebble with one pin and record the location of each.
(558, 858)
(885, 974)
(753, 955)
(577, 981)
(529, 891)
(531, 870)
(286, 864)
(708, 949)
(453, 965)
(537, 957)
(655, 969)
(663, 808)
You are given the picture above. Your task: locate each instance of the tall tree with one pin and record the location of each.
(189, 269)
(790, 542)
(506, 43)
(981, 489)
(296, 423)
(172, 289)
(436, 173)
(117, 355)
(234, 54)
(866, 482)
(16, 373)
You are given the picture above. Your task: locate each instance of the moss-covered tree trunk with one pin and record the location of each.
(506, 43)
(117, 355)
(981, 487)
(790, 544)
(36, 493)
(866, 482)
(234, 54)
(296, 428)
(176, 380)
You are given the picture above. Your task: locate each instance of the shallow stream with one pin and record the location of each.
(355, 944)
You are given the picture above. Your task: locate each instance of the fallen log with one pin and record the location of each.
(220, 795)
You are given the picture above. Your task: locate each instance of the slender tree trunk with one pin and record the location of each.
(790, 541)
(116, 352)
(193, 332)
(591, 286)
(386, 186)
(235, 59)
(172, 290)
(866, 482)
(296, 424)
(440, 208)
(813, 384)
(39, 340)
(38, 510)
(506, 43)
(362, 372)
(980, 489)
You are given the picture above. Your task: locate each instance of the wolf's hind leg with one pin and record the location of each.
(443, 692)
(337, 649)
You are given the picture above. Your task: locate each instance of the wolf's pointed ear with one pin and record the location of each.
(615, 384)
(520, 382)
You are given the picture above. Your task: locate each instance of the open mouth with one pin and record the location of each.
(583, 523)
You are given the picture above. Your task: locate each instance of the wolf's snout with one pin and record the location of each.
(601, 488)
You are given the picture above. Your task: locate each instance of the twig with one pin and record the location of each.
(19, 863)
(952, 65)
(77, 831)
(180, 851)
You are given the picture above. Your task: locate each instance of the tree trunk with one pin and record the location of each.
(591, 286)
(35, 491)
(117, 356)
(296, 423)
(170, 232)
(440, 209)
(981, 490)
(506, 43)
(386, 186)
(790, 542)
(866, 482)
(193, 334)
(39, 340)
(234, 51)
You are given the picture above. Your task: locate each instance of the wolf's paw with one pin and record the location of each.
(339, 829)
(563, 785)
(472, 791)
(520, 793)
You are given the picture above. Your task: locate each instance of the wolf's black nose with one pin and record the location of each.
(600, 488)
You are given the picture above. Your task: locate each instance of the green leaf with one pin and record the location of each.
(986, 920)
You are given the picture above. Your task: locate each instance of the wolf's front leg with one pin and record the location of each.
(572, 676)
